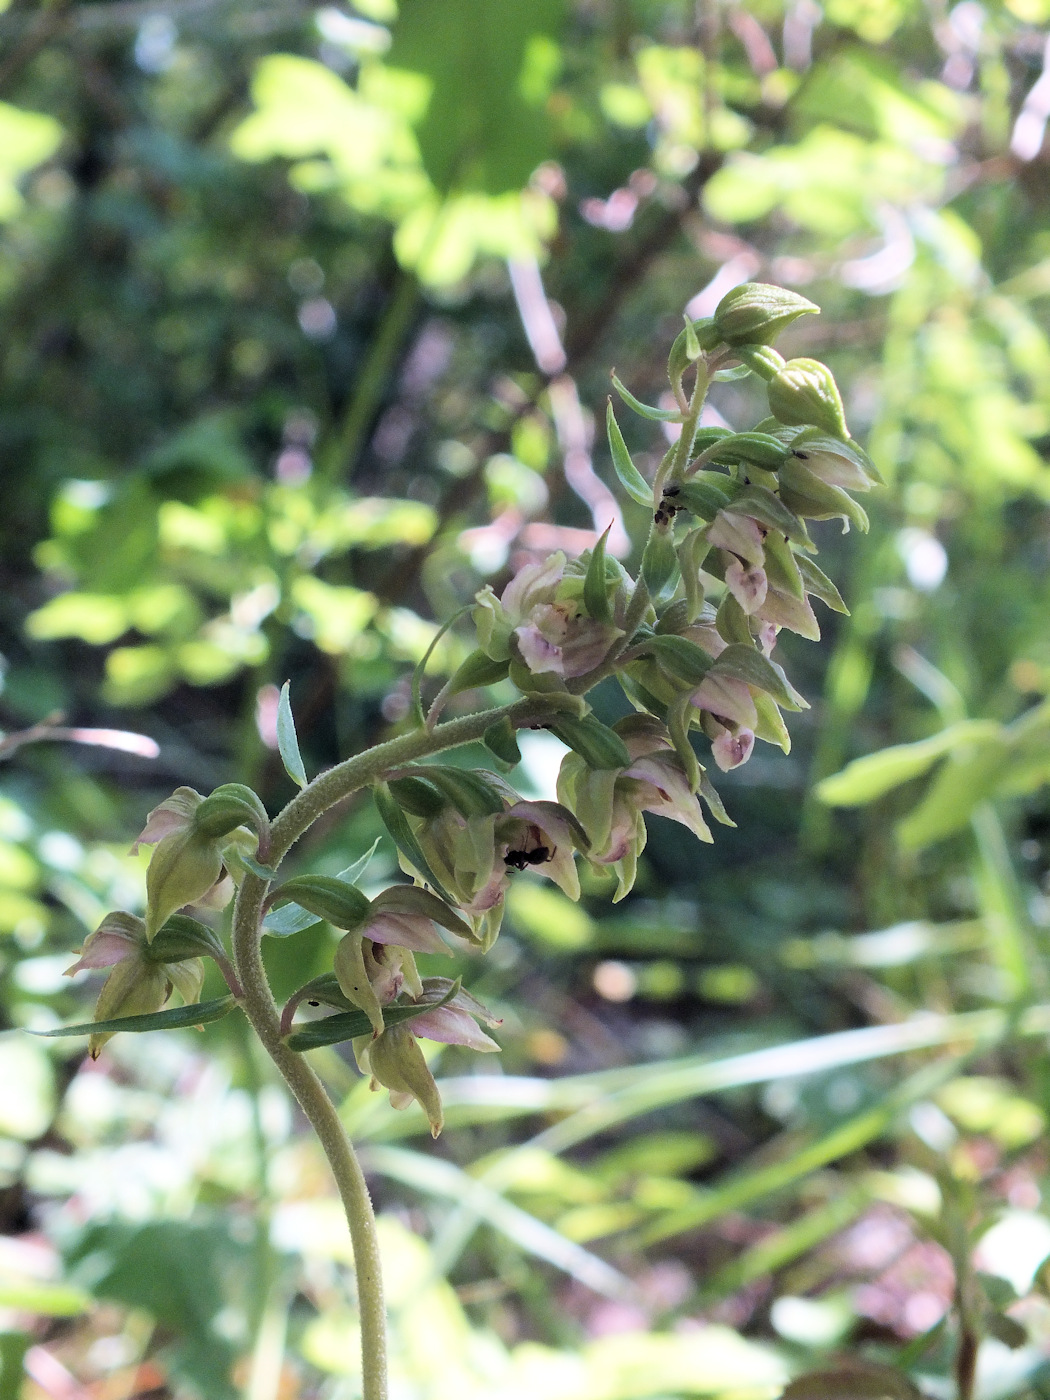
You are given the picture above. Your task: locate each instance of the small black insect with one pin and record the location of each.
(539, 855)
(802, 456)
(672, 491)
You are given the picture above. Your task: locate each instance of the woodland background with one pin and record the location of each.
(306, 318)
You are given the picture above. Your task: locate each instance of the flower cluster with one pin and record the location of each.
(691, 640)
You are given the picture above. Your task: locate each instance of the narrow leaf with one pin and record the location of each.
(595, 585)
(287, 740)
(404, 838)
(817, 582)
(631, 478)
(329, 898)
(348, 1025)
(744, 663)
(476, 671)
(870, 777)
(597, 744)
(501, 740)
(174, 1018)
(660, 564)
(655, 415)
(680, 659)
(293, 918)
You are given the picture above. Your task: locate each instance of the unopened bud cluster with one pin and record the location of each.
(691, 639)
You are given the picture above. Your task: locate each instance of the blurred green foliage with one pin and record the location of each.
(279, 389)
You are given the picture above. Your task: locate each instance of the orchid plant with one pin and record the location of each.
(728, 563)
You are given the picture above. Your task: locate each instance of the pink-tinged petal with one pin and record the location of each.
(539, 654)
(535, 583)
(730, 699)
(173, 814)
(731, 750)
(104, 950)
(452, 1027)
(586, 645)
(796, 614)
(836, 470)
(739, 534)
(748, 586)
(411, 931)
(767, 638)
(218, 896)
(666, 793)
(490, 896)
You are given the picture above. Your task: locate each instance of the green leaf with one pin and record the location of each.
(488, 69)
(692, 345)
(768, 509)
(174, 1018)
(732, 621)
(969, 778)
(760, 448)
(807, 495)
(293, 918)
(655, 415)
(781, 565)
(501, 739)
(818, 583)
(631, 478)
(471, 793)
(868, 778)
(404, 838)
(331, 899)
(348, 1025)
(660, 563)
(678, 728)
(181, 938)
(704, 494)
(597, 744)
(234, 857)
(287, 740)
(681, 660)
(595, 584)
(747, 664)
(228, 807)
(476, 672)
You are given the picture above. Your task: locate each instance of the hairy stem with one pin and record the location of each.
(345, 778)
(261, 1009)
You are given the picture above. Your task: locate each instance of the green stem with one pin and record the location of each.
(345, 778)
(675, 469)
(260, 1008)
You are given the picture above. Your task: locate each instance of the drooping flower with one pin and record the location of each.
(610, 802)
(138, 983)
(394, 1060)
(473, 857)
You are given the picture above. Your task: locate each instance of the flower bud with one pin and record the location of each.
(134, 988)
(755, 313)
(805, 392)
(395, 1060)
(183, 868)
(175, 813)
